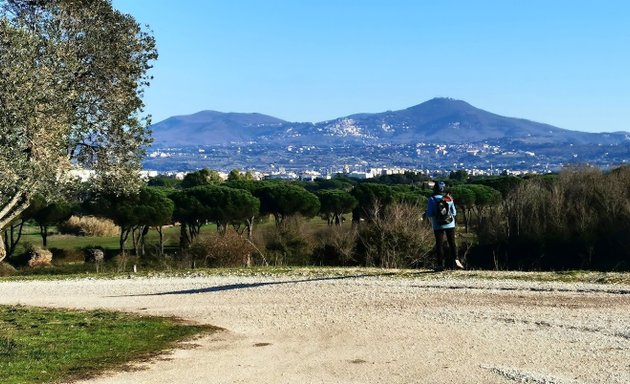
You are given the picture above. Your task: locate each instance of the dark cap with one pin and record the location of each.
(439, 187)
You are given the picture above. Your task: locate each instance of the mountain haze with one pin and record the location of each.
(212, 127)
(440, 120)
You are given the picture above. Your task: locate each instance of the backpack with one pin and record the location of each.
(443, 212)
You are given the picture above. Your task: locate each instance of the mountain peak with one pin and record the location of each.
(443, 103)
(439, 120)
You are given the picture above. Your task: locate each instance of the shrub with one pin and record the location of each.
(290, 243)
(221, 250)
(7, 269)
(399, 238)
(63, 256)
(121, 262)
(580, 219)
(335, 246)
(38, 257)
(88, 226)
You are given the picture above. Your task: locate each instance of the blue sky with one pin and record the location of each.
(565, 63)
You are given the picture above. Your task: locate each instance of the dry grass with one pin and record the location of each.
(88, 226)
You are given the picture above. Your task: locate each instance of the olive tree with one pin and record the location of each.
(71, 79)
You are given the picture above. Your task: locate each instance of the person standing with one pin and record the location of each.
(441, 209)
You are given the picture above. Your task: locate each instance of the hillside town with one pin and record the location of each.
(307, 162)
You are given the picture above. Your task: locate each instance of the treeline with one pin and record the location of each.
(579, 218)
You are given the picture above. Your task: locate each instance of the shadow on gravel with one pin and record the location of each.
(229, 287)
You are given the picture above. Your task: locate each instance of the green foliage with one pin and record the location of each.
(149, 207)
(201, 177)
(50, 214)
(237, 175)
(484, 195)
(50, 345)
(71, 81)
(459, 176)
(188, 208)
(345, 179)
(250, 186)
(465, 200)
(503, 184)
(372, 198)
(283, 200)
(153, 208)
(289, 243)
(329, 184)
(409, 194)
(135, 214)
(464, 196)
(405, 178)
(212, 203)
(219, 204)
(334, 203)
(166, 182)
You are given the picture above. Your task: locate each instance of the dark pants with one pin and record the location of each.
(439, 247)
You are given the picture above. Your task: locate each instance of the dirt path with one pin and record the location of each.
(368, 329)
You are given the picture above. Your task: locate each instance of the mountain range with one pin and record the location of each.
(439, 120)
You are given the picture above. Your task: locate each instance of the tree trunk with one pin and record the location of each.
(124, 234)
(3, 250)
(135, 240)
(278, 218)
(193, 231)
(184, 240)
(43, 230)
(11, 210)
(160, 231)
(11, 239)
(467, 212)
(250, 227)
(145, 231)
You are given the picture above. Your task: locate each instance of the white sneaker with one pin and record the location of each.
(459, 264)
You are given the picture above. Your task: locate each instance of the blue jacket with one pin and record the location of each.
(431, 211)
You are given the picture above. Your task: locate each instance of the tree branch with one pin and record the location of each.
(10, 215)
(9, 206)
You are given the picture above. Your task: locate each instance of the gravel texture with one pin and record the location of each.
(356, 328)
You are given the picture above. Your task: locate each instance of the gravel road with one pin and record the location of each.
(427, 328)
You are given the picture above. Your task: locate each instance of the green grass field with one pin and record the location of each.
(69, 251)
(40, 345)
(31, 236)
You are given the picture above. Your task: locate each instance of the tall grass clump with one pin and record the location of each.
(396, 238)
(578, 220)
(335, 246)
(228, 249)
(88, 226)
